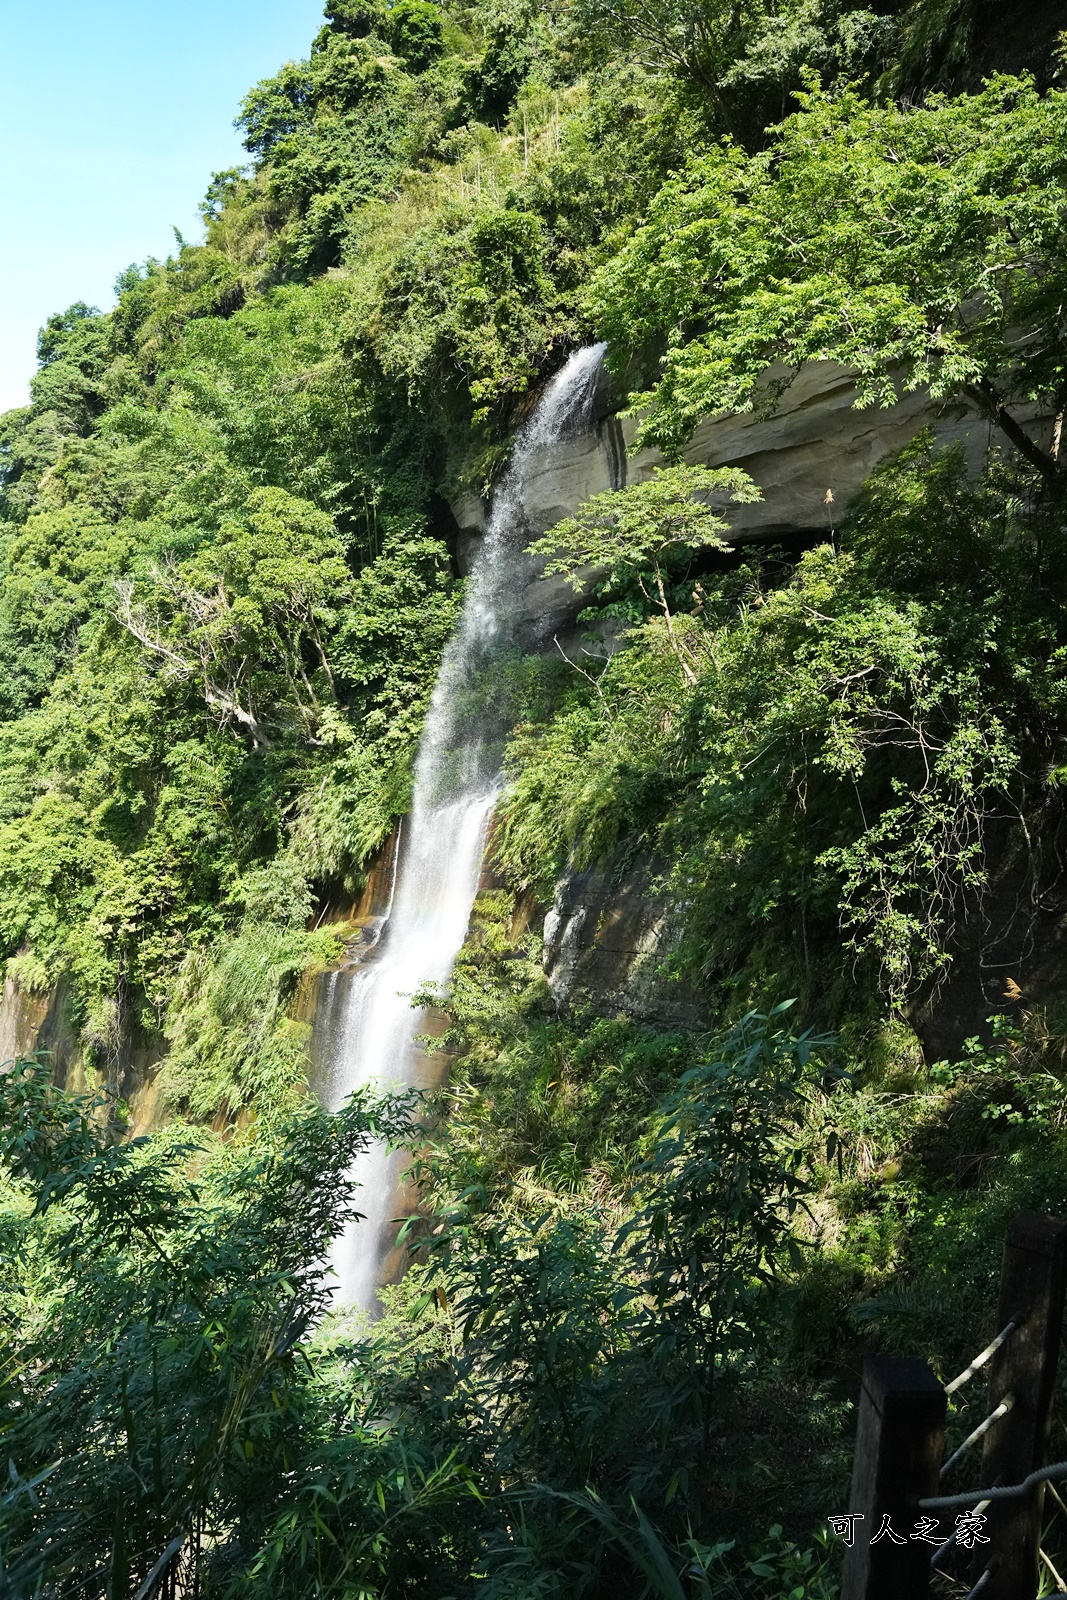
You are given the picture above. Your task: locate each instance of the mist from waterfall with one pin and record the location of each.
(368, 1023)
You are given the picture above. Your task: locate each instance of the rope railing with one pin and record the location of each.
(1007, 1491)
(1042, 1554)
(949, 1543)
(979, 1432)
(984, 1355)
(901, 1468)
(985, 1580)
(953, 1538)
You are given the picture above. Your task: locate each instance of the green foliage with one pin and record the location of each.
(416, 32)
(599, 768)
(232, 1040)
(355, 17)
(634, 533)
(746, 60)
(268, 588)
(904, 1189)
(163, 1289)
(174, 1282)
(332, 132)
(934, 229)
(826, 773)
(473, 289)
(58, 571)
(539, 1104)
(726, 1182)
(197, 670)
(639, 529)
(72, 350)
(226, 578)
(581, 1348)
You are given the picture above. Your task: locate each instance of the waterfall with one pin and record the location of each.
(369, 1025)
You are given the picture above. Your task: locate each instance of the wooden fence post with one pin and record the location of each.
(900, 1435)
(1031, 1295)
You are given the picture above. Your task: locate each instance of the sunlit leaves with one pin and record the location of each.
(916, 246)
(828, 780)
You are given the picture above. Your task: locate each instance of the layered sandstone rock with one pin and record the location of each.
(816, 443)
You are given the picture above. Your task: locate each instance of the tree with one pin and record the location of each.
(279, 577)
(633, 534)
(157, 1321)
(917, 246)
(357, 18)
(276, 108)
(725, 1182)
(743, 57)
(416, 32)
(73, 351)
(700, 40)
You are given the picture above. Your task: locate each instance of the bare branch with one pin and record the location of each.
(149, 636)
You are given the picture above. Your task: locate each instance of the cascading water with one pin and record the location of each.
(369, 1027)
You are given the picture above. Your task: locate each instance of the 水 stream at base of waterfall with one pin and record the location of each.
(368, 1026)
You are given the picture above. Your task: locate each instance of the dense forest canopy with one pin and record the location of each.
(646, 1255)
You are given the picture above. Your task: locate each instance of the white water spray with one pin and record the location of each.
(368, 1019)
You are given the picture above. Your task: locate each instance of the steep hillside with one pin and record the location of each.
(793, 736)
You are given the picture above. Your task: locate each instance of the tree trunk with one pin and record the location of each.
(687, 671)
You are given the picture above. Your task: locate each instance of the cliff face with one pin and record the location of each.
(608, 934)
(814, 443)
(608, 939)
(32, 1022)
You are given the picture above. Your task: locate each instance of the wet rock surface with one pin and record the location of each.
(608, 941)
(816, 443)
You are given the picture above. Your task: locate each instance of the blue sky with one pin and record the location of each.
(113, 115)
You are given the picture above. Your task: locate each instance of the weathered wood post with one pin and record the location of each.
(900, 1436)
(1031, 1295)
